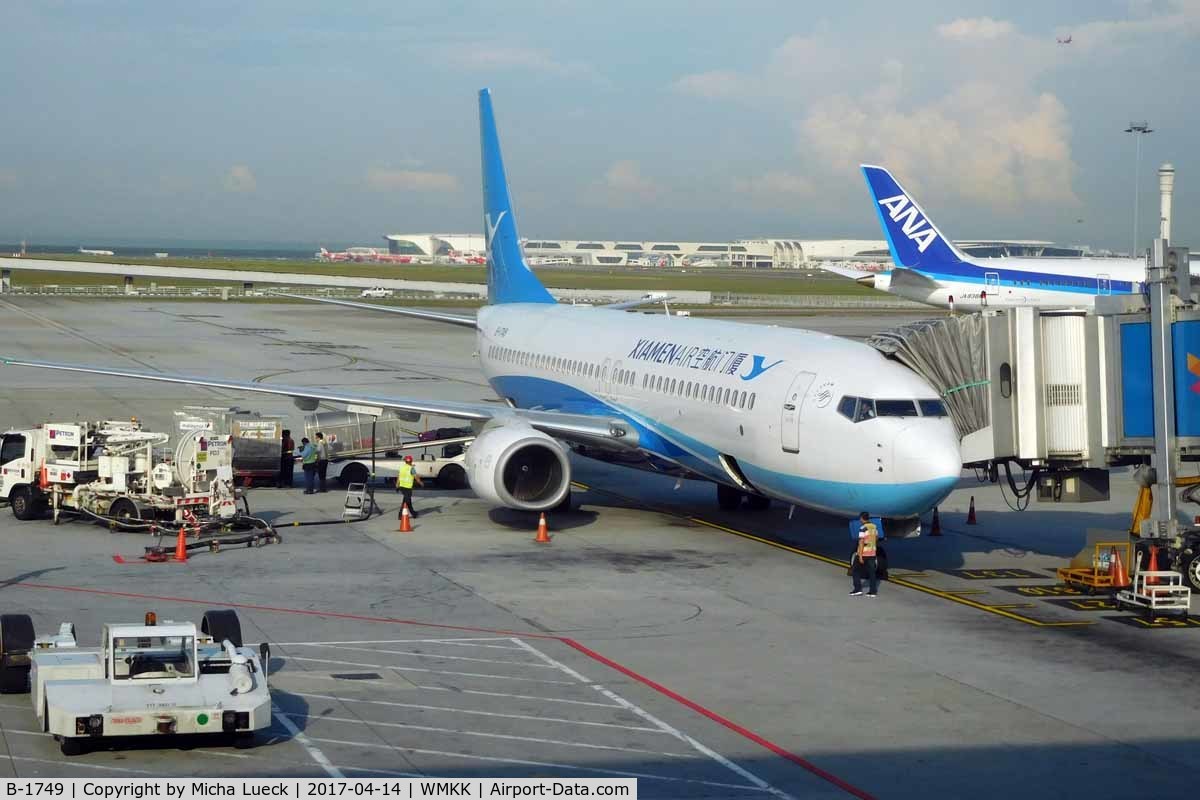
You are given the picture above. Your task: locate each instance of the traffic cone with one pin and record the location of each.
(1153, 567)
(935, 527)
(971, 513)
(543, 532)
(405, 519)
(1116, 570)
(181, 544)
(43, 478)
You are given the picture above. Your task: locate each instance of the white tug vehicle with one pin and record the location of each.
(143, 680)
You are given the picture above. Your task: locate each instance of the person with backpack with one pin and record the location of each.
(865, 560)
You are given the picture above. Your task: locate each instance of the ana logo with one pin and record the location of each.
(824, 395)
(904, 213)
(491, 227)
(757, 368)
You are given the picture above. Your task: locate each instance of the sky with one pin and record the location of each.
(315, 122)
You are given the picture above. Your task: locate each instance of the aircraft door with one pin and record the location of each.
(1103, 284)
(991, 282)
(793, 405)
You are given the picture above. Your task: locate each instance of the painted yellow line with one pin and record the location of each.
(912, 574)
(997, 610)
(961, 592)
(1014, 605)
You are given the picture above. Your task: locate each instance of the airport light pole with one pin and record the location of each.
(1138, 129)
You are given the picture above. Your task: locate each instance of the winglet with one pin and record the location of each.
(510, 280)
(914, 240)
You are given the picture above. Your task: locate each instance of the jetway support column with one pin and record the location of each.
(5, 281)
(1163, 282)
(129, 285)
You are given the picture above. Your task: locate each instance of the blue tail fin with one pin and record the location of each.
(914, 240)
(509, 278)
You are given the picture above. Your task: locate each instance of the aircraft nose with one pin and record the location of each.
(927, 462)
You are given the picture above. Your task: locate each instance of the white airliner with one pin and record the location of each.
(764, 413)
(928, 268)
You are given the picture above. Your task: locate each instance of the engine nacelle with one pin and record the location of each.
(513, 465)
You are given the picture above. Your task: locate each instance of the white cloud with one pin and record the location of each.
(978, 28)
(388, 180)
(624, 179)
(717, 83)
(239, 179)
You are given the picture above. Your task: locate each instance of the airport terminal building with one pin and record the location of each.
(737, 254)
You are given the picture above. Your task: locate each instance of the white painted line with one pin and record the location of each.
(516, 696)
(313, 751)
(80, 764)
(548, 764)
(741, 772)
(478, 713)
(27, 707)
(425, 669)
(462, 642)
(370, 723)
(282, 762)
(436, 655)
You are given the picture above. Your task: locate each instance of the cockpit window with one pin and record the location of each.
(866, 410)
(932, 408)
(896, 408)
(846, 407)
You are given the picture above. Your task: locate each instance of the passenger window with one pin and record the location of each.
(726, 398)
(752, 395)
(1005, 380)
(742, 400)
(866, 410)
(895, 408)
(932, 408)
(672, 389)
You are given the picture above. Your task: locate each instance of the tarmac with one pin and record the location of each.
(708, 654)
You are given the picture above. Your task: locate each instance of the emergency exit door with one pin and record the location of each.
(793, 404)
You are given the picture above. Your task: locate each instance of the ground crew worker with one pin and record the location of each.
(287, 460)
(308, 460)
(865, 557)
(322, 458)
(404, 483)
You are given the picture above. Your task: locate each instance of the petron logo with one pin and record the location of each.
(905, 213)
(1193, 366)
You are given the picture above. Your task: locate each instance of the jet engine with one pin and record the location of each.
(513, 465)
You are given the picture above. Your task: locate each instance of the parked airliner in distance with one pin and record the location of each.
(928, 268)
(765, 413)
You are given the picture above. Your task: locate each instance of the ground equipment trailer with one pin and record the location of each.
(256, 438)
(437, 455)
(148, 679)
(115, 470)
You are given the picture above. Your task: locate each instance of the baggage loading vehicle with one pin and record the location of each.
(114, 470)
(352, 437)
(146, 679)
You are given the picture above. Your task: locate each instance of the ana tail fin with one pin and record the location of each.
(510, 280)
(914, 240)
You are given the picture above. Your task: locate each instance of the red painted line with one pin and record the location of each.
(724, 722)
(720, 720)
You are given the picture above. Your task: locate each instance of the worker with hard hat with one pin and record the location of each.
(404, 483)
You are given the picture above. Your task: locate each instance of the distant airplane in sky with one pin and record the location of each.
(1064, 39)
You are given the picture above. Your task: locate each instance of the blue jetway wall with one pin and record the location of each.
(1137, 395)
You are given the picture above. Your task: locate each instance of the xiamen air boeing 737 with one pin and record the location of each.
(764, 413)
(928, 268)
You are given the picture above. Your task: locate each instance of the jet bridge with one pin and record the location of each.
(1070, 394)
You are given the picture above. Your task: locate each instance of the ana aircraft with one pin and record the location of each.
(928, 268)
(764, 413)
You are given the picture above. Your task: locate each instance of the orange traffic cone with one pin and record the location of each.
(43, 478)
(971, 513)
(935, 527)
(1153, 566)
(405, 519)
(181, 544)
(543, 532)
(1116, 570)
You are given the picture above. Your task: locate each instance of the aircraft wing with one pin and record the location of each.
(419, 313)
(612, 432)
(648, 300)
(846, 272)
